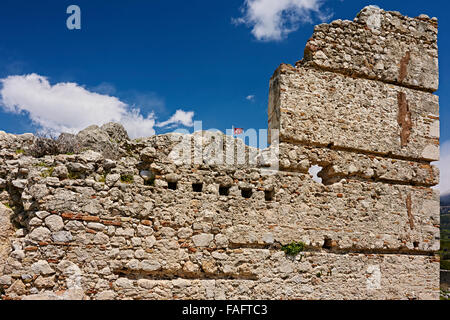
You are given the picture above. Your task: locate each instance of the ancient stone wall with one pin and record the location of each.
(122, 219)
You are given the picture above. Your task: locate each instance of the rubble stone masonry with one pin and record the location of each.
(122, 220)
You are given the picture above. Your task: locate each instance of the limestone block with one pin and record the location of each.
(326, 109)
(310, 276)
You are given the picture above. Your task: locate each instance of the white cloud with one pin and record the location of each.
(275, 19)
(250, 97)
(69, 107)
(179, 118)
(444, 166)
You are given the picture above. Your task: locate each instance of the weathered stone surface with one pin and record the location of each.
(116, 131)
(202, 240)
(155, 223)
(6, 230)
(338, 164)
(91, 157)
(96, 139)
(5, 280)
(71, 295)
(44, 282)
(42, 267)
(354, 213)
(61, 172)
(326, 109)
(106, 295)
(54, 223)
(18, 288)
(310, 275)
(111, 179)
(40, 234)
(62, 236)
(380, 45)
(148, 154)
(38, 191)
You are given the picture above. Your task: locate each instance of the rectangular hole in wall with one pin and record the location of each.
(224, 191)
(268, 195)
(247, 193)
(328, 244)
(197, 187)
(172, 185)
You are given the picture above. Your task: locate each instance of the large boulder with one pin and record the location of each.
(68, 143)
(116, 132)
(105, 140)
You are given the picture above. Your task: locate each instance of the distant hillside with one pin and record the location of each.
(445, 204)
(445, 201)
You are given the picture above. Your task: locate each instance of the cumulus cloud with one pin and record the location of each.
(274, 20)
(69, 107)
(179, 118)
(250, 98)
(444, 166)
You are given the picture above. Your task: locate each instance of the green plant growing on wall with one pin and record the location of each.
(127, 178)
(47, 173)
(41, 164)
(73, 175)
(102, 179)
(7, 205)
(293, 248)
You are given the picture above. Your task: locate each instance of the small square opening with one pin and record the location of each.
(172, 185)
(224, 191)
(268, 195)
(247, 193)
(328, 244)
(197, 187)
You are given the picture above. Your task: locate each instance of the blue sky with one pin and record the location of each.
(161, 56)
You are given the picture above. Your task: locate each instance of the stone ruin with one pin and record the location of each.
(119, 219)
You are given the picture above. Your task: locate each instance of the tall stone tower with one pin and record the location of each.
(361, 105)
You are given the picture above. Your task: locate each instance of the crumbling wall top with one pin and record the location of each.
(380, 45)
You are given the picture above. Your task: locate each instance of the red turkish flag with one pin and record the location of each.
(238, 130)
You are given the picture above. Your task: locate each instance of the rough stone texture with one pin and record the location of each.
(338, 164)
(132, 219)
(380, 45)
(104, 139)
(116, 131)
(322, 108)
(54, 223)
(356, 214)
(6, 230)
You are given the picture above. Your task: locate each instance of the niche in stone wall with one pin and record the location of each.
(197, 187)
(246, 193)
(224, 191)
